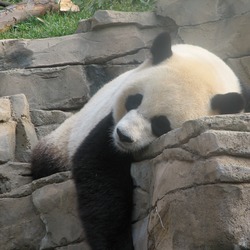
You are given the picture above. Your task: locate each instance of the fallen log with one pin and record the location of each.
(4, 4)
(19, 12)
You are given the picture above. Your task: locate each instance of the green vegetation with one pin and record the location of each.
(60, 24)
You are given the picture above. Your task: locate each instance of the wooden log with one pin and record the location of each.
(4, 4)
(16, 13)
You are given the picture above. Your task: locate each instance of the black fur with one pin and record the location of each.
(104, 188)
(230, 103)
(160, 125)
(161, 48)
(133, 101)
(44, 162)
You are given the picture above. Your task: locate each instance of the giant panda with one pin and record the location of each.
(177, 83)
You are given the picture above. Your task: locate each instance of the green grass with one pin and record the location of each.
(60, 24)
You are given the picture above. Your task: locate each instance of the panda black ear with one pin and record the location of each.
(230, 103)
(161, 48)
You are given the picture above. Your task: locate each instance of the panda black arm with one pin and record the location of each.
(46, 161)
(104, 188)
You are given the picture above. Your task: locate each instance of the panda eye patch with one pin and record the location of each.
(133, 101)
(160, 125)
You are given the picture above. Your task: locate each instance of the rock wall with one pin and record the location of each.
(193, 188)
(192, 185)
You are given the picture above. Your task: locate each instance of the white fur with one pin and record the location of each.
(136, 126)
(179, 88)
(97, 108)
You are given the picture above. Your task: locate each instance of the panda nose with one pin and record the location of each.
(123, 137)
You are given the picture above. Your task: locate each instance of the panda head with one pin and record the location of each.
(179, 83)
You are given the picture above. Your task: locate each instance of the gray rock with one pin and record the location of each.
(214, 142)
(42, 131)
(26, 139)
(195, 218)
(35, 221)
(141, 209)
(14, 175)
(242, 67)
(193, 128)
(8, 141)
(76, 246)
(193, 12)
(107, 18)
(20, 106)
(77, 49)
(130, 60)
(97, 75)
(27, 189)
(41, 86)
(56, 203)
(20, 225)
(5, 110)
(223, 37)
(205, 159)
(47, 121)
(140, 234)
(42, 117)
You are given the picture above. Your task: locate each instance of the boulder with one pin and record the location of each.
(8, 141)
(5, 110)
(56, 203)
(196, 187)
(223, 37)
(108, 18)
(193, 12)
(41, 86)
(38, 210)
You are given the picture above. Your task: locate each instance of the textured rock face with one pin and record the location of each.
(194, 193)
(193, 12)
(17, 132)
(191, 185)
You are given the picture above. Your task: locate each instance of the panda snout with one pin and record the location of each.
(123, 137)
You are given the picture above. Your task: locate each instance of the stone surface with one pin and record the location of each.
(19, 106)
(26, 139)
(242, 67)
(20, 225)
(221, 142)
(42, 131)
(56, 203)
(197, 187)
(14, 175)
(41, 86)
(8, 141)
(97, 75)
(222, 37)
(41, 215)
(84, 48)
(209, 217)
(104, 18)
(42, 117)
(5, 110)
(193, 12)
